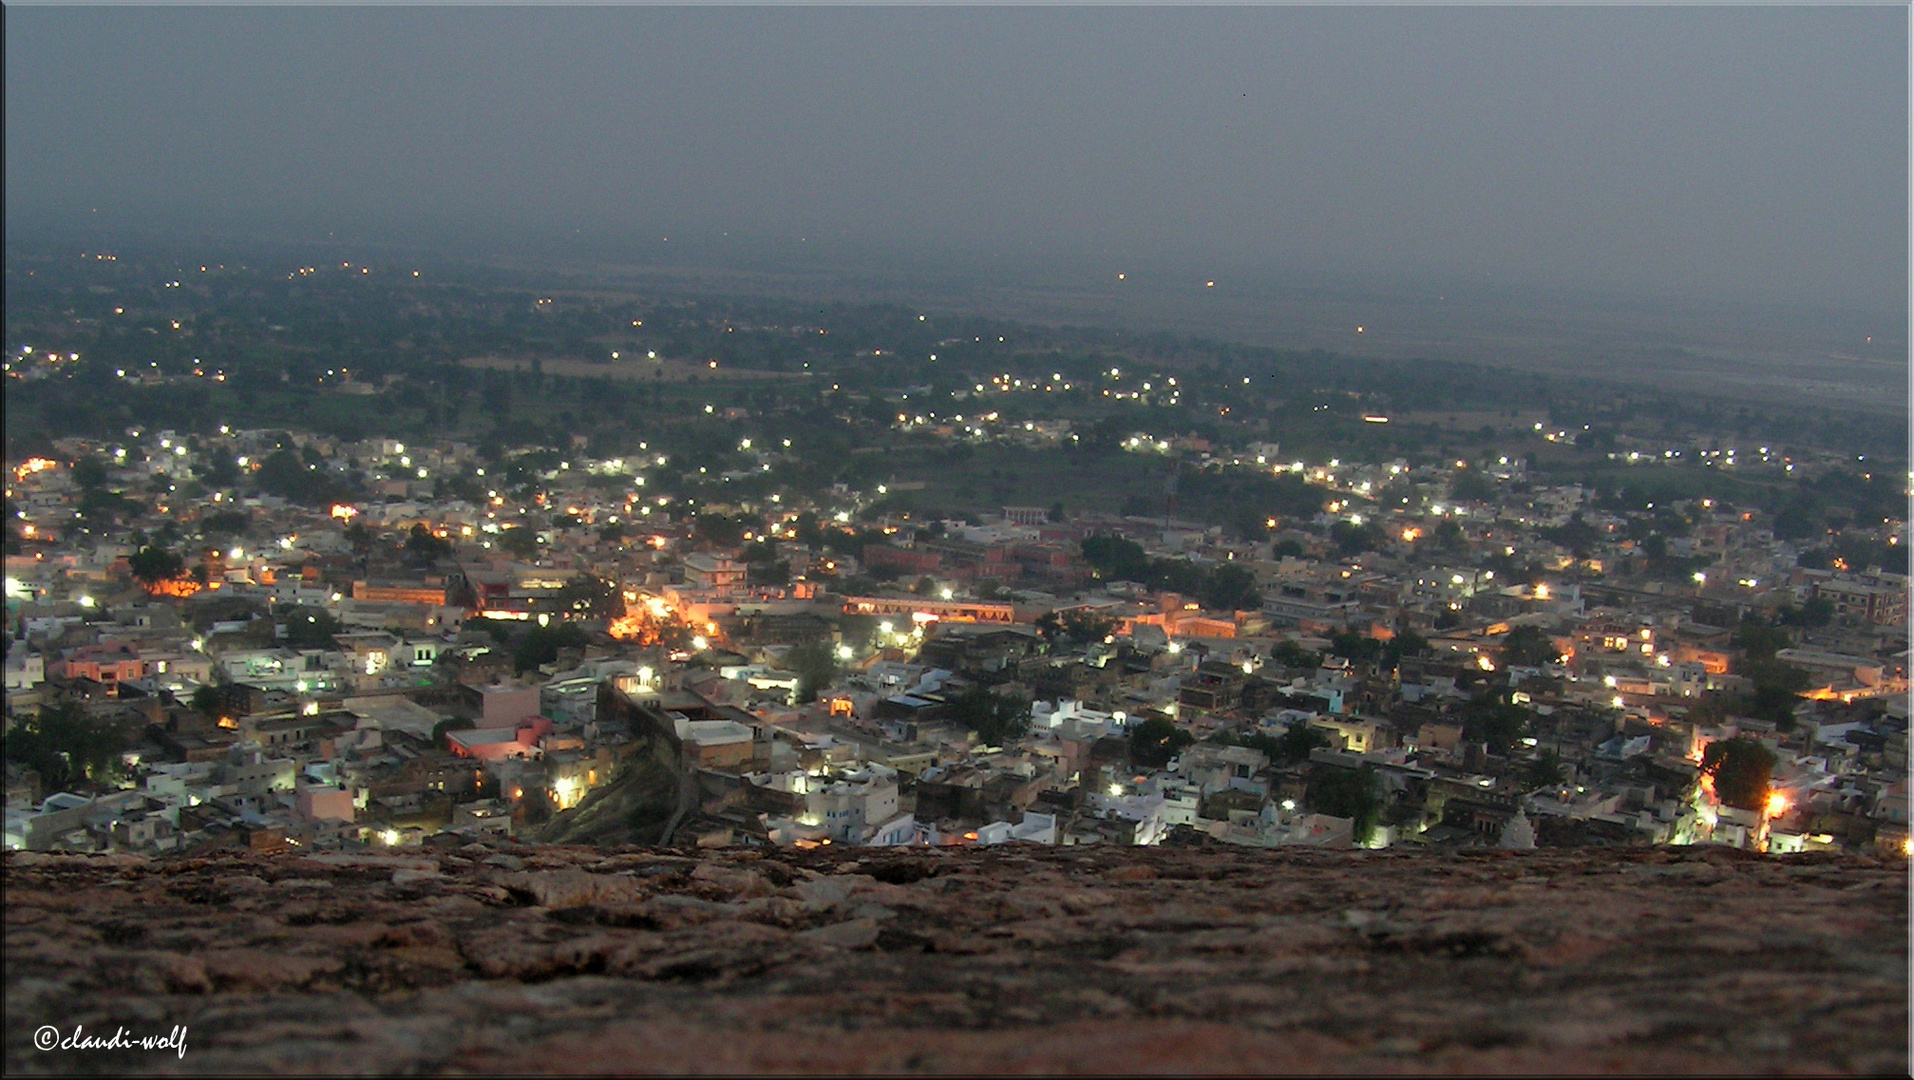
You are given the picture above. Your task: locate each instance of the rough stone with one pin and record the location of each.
(1010, 959)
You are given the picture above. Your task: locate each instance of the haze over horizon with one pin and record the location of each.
(1749, 155)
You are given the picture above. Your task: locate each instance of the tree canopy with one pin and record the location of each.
(815, 663)
(1345, 793)
(1155, 741)
(66, 746)
(311, 628)
(152, 565)
(1528, 646)
(995, 718)
(1741, 768)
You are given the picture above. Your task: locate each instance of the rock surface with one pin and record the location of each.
(1015, 959)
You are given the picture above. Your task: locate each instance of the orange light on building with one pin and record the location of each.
(1777, 804)
(344, 512)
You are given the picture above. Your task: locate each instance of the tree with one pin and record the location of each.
(450, 723)
(311, 628)
(1295, 743)
(89, 472)
(1759, 640)
(206, 700)
(1116, 559)
(225, 523)
(1545, 770)
(66, 746)
(1155, 741)
(520, 541)
(285, 475)
(540, 646)
(723, 530)
(1076, 626)
(591, 595)
(995, 718)
(1528, 646)
(815, 663)
(1290, 654)
(1405, 643)
(1351, 644)
(423, 546)
(1345, 793)
(1741, 768)
(152, 565)
(1353, 539)
(1777, 690)
(1495, 723)
(770, 573)
(1231, 588)
(1815, 613)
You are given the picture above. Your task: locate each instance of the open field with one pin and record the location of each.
(635, 370)
(1772, 355)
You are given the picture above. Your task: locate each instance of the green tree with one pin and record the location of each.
(1545, 770)
(1116, 559)
(541, 644)
(519, 541)
(450, 723)
(1077, 626)
(205, 700)
(1294, 744)
(1528, 646)
(67, 746)
(1405, 643)
(1355, 539)
(1345, 793)
(421, 545)
(152, 565)
(1290, 654)
(815, 663)
(1759, 640)
(1352, 644)
(1231, 588)
(1741, 768)
(89, 472)
(1815, 613)
(311, 628)
(1155, 741)
(1495, 723)
(995, 718)
(591, 596)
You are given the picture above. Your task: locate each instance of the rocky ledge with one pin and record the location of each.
(561, 959)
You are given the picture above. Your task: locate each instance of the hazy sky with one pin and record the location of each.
(1744, 153)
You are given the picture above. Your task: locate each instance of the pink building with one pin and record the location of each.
(505, 704)
(495, 744)
(315, 802)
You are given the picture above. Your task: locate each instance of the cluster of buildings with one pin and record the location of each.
(387, 671)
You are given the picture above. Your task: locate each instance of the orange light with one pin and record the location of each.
(1777, 804)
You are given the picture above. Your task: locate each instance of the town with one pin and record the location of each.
(269, 638)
